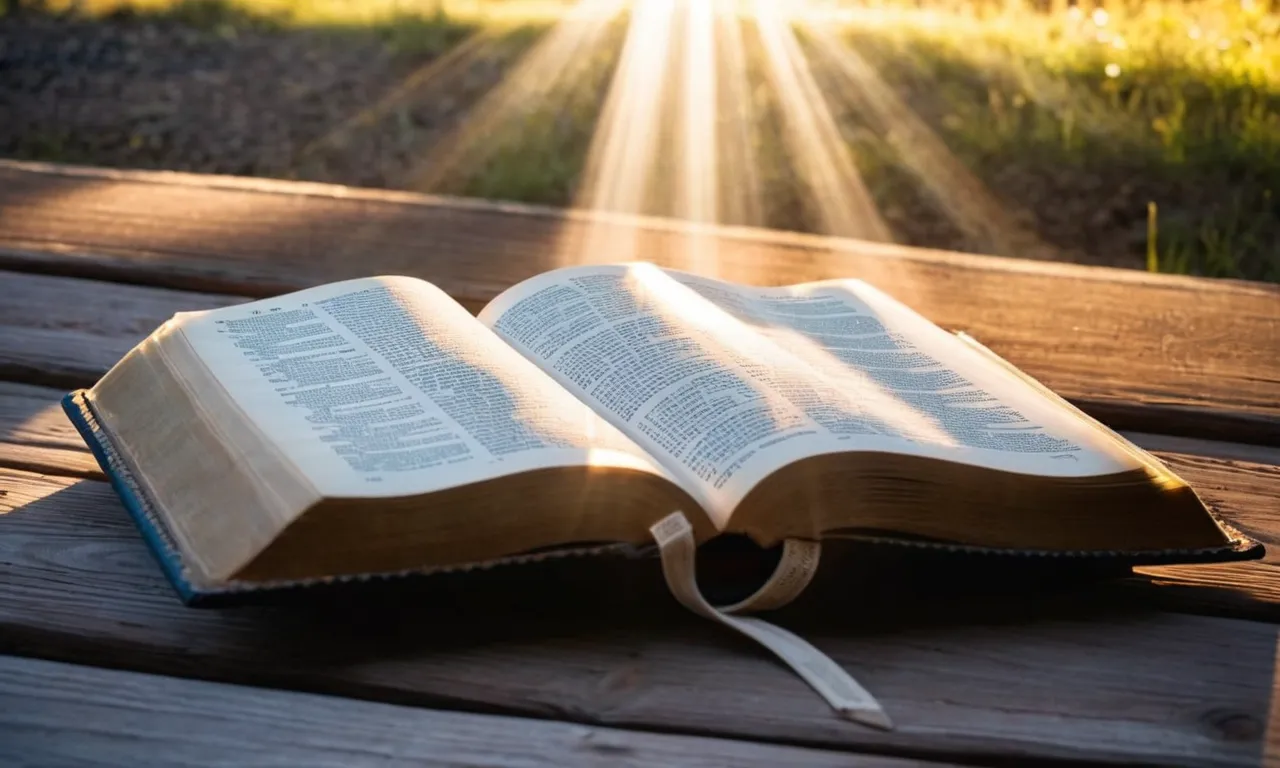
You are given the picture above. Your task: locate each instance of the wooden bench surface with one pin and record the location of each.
(1172, 665)
(93, 716)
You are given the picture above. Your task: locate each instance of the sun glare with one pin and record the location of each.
(556, 61)
(698, 199)
(697, 86)
(953, 187)
(741, 190)
(625, 146)
(816, 146)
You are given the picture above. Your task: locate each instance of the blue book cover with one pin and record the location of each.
(135, 500)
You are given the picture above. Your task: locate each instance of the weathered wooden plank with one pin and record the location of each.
(1241, 481)
(36, 435)
(1197, 355)
(1075, 676)
(60, 714)
(1190, 446)
(66, 333)
(1249, 589)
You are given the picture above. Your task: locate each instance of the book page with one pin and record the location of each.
(726, 383)
(875, 358)
(387, 386)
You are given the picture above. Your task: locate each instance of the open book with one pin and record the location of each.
(375, 426)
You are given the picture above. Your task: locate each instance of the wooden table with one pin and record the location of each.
(1173, 665)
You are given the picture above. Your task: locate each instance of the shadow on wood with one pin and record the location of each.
(64, 713)
(983, 665)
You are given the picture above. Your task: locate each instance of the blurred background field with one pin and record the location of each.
(1138, 134)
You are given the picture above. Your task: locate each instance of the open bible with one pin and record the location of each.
(374, 426)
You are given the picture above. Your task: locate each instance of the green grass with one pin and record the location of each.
(1090, 120)
(539, 154)
(1073, 132)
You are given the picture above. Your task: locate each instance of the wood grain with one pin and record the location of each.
(1218, 449)
(1153, 353)
(1091, 673)
(1249, 589)
(1241, 481)
(61, 714)
(36, 435)
(1074, 674)
(66, 333)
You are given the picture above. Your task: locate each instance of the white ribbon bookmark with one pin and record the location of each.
(793, 573)
(678, 548)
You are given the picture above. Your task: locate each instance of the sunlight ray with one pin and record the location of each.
(957, 191)
(625, 143)
(697, 199)
(556, 61)
(741, 193)
(436, 76)
(821, 156)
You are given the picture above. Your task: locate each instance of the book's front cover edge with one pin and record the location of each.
(158, 539)
(1241, 548)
